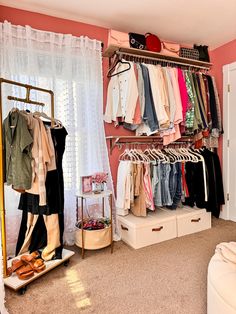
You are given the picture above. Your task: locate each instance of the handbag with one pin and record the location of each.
(117, 38)
(189, 53)
(137, 41)
(170, 49)
(153, 43)
(203, 52)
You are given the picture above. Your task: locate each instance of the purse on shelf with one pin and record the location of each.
(137, 41)
(170, 49)
(153, 43)
(189, 53)
(117, 38)
(203, 52)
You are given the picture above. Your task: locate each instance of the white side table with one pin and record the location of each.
(82, 197)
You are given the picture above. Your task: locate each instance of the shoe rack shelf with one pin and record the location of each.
(14, 283)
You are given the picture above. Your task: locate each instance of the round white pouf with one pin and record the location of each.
(221, 286)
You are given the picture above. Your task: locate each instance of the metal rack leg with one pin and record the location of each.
(103, 207)
(77, 209)
(82, 225)
(111, 223)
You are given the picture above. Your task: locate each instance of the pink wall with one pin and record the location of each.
(220, 56)
(59, 25)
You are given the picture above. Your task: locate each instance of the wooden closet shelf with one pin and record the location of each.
(118, 140)
(112, 50)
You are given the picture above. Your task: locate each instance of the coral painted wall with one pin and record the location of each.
(221, 56)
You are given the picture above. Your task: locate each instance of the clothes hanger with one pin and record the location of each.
(133, 152)
(148, 152)
(41, 114)
(172, 158)
(164, 158)
(140, 155)
(119, 60)
(171, 155)
(185, 155)
(192, 157)
(197, 153)
(123, 155)
(176, 154)
(126, 154)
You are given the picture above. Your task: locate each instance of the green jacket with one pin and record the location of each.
(17, 142)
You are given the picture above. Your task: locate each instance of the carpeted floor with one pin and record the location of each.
(167, 278)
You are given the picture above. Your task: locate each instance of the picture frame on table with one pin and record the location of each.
(86, 184)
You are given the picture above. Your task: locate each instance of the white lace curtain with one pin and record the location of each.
(72, 68)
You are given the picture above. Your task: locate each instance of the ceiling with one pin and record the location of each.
(210, 22)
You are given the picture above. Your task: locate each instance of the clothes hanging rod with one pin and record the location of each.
(112, 50)
(2, 80)
(115, 140)
(143, 137)
(27, 101)
(123, 54)
(152, 143)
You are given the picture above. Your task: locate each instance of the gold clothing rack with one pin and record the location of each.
(142, 55)
(25, 100)
(142, 140)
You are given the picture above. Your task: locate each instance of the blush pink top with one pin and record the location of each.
(137, 113)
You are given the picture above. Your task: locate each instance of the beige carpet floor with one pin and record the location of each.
(167, 278)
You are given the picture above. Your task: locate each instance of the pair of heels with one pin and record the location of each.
(27, 265)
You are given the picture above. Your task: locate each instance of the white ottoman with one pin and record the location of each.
(221, 287)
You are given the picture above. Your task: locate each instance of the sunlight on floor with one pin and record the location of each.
(80, 295)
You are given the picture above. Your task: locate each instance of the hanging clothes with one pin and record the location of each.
(172, 102)
(33, 165)
(169, 178)
(53, 211)
(214, 184)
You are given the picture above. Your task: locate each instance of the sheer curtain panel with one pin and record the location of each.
(71, 67)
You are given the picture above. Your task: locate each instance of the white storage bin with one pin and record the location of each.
(139, 232)
(190, 220)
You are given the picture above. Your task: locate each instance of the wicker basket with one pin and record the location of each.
(93, 239)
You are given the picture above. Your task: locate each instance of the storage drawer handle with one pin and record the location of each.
(124, 228)
(195, 220)
(157, 229)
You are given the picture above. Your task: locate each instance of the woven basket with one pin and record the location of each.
(93, 239)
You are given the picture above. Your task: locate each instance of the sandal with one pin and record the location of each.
(16, 264)
(36, 265)
(25, 272)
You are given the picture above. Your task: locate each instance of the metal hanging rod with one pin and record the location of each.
(142, 140)
(25, 100)
(123, 54)
(113, 50)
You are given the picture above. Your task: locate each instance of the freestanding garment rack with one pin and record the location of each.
(14, 282)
